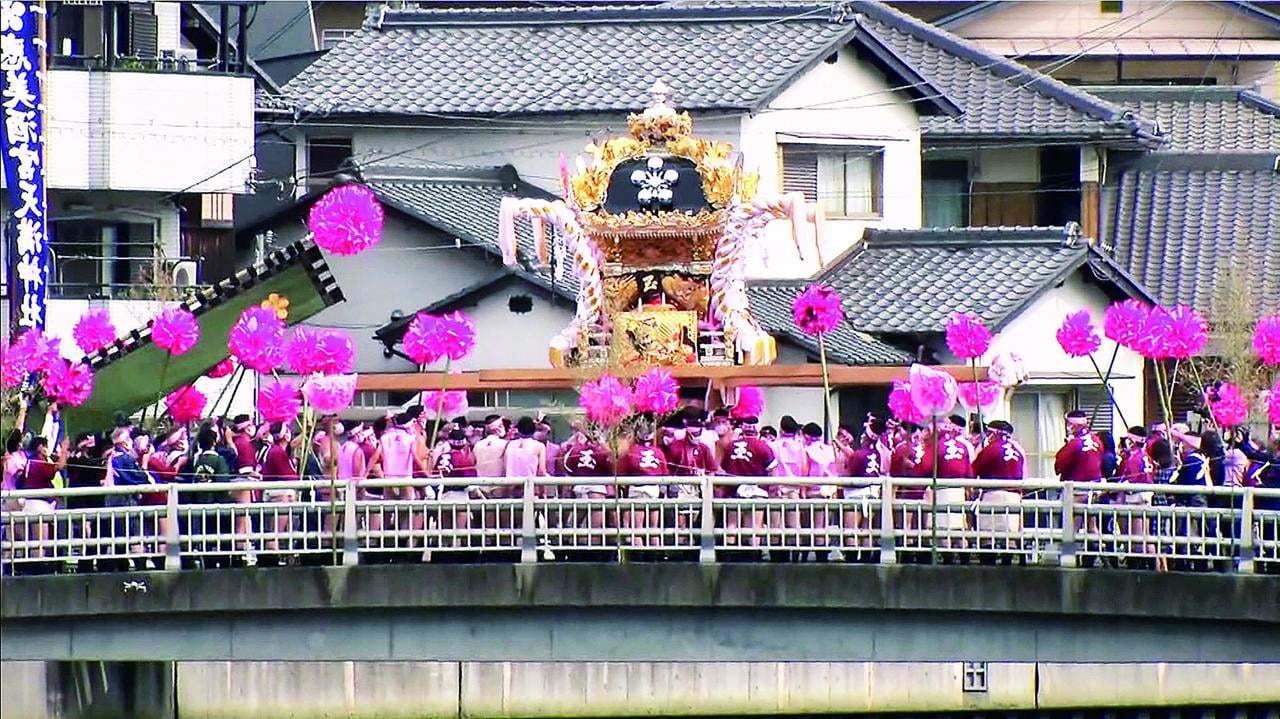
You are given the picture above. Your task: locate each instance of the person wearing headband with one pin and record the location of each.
(689, 456)
(584, 457)
(643, 459)
(952, 456)
(1003, 458)
(526, 463)
(747, 456)
(454, 462)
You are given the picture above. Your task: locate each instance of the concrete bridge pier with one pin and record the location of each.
(84, 689)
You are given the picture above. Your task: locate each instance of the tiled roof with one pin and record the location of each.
(911, 281)
(485, 61)
(1000, 97)
(771, 304)
(1204, 119)
(716, 55)
(463, 202)
(1181, 224)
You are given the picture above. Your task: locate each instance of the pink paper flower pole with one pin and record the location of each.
(1273, 404)
(1077, 336)
(901, 405)
(817, 310)
(35, 351)
(256, 339)
(607, 401)
(175, 330)
(223, 368)
(68, 383)
(455, 336)
(419, 340)
(12, 372)
(1228, 405)
(330, 394)
(933, 392)
(93, 331)
(310, 351)
(980, 395)
(1124, 322)
(338, 351)
(750, 403)
(1266, 340)
(657, 391)
(1185, 333)
(347, 220)
(451, 403)
(966, 336)
(186, 404)
(278, 401)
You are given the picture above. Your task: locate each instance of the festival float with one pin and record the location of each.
(658, 224)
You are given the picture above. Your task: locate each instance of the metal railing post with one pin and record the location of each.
(707, 552)
(1247, 551)
(172, 550)
(528, 525)
(1067, 544)
(888, 547)
(350, 538)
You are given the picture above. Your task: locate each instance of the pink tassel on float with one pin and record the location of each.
(540, 246)
(507, 229)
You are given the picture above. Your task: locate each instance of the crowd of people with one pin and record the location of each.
(689, 443)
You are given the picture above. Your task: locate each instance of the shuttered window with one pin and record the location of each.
(143, 30)
(847, 180)
(1093, 399)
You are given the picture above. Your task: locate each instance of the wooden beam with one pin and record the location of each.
(789, 375)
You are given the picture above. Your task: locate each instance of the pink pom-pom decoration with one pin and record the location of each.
(750, 403)
(175, 330)
(980, 395)
(309, 351)
(1273, 404)
(93, 331)
(185, 404)
(431, 338)
(932, 391)
(817, 311)
(223, 368)
(68, 383)
(11, 370)
(901, 405)
(1185, 333)
(330, 394)
(967, 337)
(256, 339)
(1266, 340)
(35, 351)
(1228, 405)
(1124, 322)
(606, 400)
(454, 403)
(347, 220)
(1077, 336)
(278, 401)
(657, 391)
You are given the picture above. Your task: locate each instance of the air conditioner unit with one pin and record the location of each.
(184, 274)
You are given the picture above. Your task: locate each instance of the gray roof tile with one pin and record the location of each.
(464, 202)
(911, 281)
(1180, 230)
(1000, 97)
(716, 55)
(771, 304)
(1204, 119)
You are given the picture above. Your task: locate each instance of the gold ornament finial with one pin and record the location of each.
(660, 122)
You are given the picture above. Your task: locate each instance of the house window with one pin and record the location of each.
(847, 180)
(945, 186)
(325, 158)
(330, 37)
(1111, 7)
(1038, 424)
(974, 677)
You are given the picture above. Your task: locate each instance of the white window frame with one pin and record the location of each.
(792, 175)
(330, 37)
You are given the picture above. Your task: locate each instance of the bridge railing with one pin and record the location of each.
(885, 520)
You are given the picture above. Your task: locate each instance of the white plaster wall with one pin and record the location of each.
(168, 25)
(847, 101)
(168, 132)
(1151, 19)
(506, 340)
(1032, 335)
(1006, 164)
(803, 403)
(412, 267)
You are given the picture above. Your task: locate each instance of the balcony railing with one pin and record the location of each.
(883, 521)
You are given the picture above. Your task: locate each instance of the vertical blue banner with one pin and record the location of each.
(27, 230)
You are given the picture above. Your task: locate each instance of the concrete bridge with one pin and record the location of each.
(669, 639)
